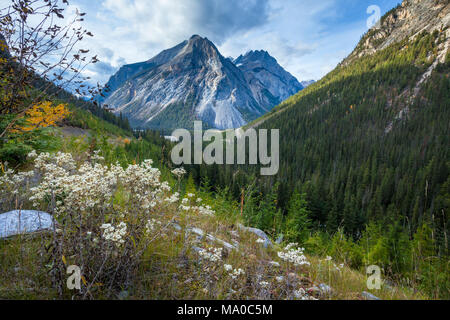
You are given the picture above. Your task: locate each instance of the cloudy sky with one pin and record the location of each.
(307, 37)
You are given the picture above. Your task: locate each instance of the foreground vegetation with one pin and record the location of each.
(364, 180)
(366, 151)
(136, 237)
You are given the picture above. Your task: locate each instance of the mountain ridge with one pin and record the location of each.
(376, 39)
(193, 81)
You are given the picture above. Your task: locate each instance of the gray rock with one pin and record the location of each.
(24, 222)
(201, 234)
(259, 233)
(369, 296)
(196, 249)
(197, 231)
(320, 291)
(227, 245)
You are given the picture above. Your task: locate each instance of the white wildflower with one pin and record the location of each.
(237, 273)
(294, 256)
(114, 234)
(179, 172)
(212, 255)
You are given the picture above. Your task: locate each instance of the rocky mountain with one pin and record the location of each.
(307, 83)
(378, 122)
(408, 19)
(193, 81)
(268, 81)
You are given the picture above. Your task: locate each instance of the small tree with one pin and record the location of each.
(297, 222)
(39, 57)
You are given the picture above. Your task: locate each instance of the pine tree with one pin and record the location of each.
(297, 227)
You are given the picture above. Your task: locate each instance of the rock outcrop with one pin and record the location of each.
(24, 222)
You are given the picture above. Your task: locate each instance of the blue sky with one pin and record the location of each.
(307, 37)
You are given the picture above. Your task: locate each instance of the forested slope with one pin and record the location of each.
(368, 146)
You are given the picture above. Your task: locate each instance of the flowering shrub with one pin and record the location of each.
(110, 219)
(99, 211)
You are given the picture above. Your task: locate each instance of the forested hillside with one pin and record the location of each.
(367, 146)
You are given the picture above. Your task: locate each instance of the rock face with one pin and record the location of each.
(259, 233)
(307, 83)
(407, 20)
(369, 296)
(24, 221)
(193, 81)
(268, 81)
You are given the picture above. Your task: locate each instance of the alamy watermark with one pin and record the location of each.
(234, 142)
(74, 280)
(374, 280)
(374, 21)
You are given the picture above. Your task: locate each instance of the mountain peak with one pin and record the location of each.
(270, 82)
(193, 81)
(256, 55)
(196, 38)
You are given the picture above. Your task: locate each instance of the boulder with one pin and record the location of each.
(259, 233)
(201, 234)
(322, 290)
(24, 222)
(369, 296)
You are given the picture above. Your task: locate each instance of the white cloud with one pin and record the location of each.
(307, 37)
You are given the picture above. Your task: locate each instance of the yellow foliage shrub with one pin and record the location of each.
(43, 115)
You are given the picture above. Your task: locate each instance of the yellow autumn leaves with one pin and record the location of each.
(43, 115)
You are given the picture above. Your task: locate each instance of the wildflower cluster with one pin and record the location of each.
(96, 206)
(187, 204)
(234, 273)
(151, 225)
(114, 234)
(179, 172)
(295, 256)
(90, 186)
(212, 255)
